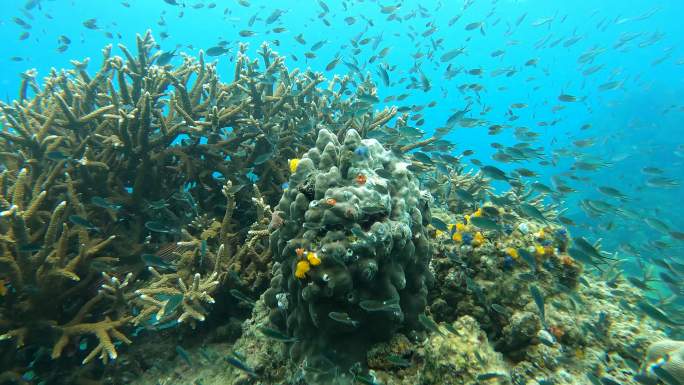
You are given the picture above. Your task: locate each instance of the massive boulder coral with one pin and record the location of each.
(352, 249)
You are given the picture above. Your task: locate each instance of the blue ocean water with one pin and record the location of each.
(522, 62)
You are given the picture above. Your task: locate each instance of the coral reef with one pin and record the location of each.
(599, 340)
(146, 197)
(353, 249)
(142, 172)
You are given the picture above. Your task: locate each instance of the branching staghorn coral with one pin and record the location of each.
(252, 259)
(42, 258)
(520, 193)
(170, 296)
(104, 331)
(473, 183)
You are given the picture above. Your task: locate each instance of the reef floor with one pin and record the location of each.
(599, 340)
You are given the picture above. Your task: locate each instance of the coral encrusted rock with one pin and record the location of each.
(352, 250)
